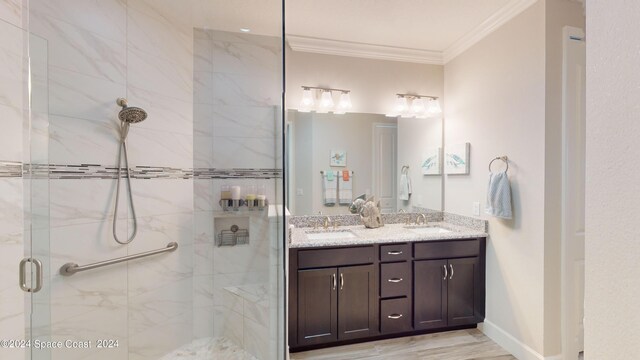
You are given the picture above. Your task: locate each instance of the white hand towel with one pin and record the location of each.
(345, 190)
(499, 196)
(405, 187)
(329, 190)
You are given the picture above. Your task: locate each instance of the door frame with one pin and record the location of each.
(374, 168)
(572, 340)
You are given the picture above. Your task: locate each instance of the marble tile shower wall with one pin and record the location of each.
(98, 51)
(12, 305)
(237, 97)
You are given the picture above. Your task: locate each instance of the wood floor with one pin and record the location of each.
(453, 345)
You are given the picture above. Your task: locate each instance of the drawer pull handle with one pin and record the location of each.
(333, 277)
(395, 280)
(395, 316)
(341, 281)
(395, 252)
(451, 277)
(446, 273)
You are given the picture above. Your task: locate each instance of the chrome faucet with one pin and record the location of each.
(423, 217)
(327, 222)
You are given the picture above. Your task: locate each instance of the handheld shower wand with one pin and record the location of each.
(128, 115)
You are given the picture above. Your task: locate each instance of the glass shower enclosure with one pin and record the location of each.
(209, 75)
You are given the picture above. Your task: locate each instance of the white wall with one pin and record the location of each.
(415, 137)
(373, 83)
(495, 99)
(612, 324)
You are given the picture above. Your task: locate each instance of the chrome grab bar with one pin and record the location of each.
(69, 269)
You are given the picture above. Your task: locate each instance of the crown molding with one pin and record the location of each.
(368, 51)
(502, 16)
(392, 53)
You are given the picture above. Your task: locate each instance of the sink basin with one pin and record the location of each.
(429, 230)
(330, 235)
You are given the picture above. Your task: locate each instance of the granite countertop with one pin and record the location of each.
(389, 233)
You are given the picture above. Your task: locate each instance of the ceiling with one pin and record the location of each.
(416, 24)
(430, 31)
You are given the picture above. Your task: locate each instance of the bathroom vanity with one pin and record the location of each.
(352, 284)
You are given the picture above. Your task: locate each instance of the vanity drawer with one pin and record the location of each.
(395, 252)
(446, 249)
(395, 316)
(318, 258)
(395, 279)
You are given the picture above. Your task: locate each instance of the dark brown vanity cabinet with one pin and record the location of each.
(340, 295)
(446, 293)
(336, 303)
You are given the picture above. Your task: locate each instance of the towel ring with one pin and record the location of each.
(503, 158)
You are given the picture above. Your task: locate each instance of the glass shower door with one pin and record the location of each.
(213, 94)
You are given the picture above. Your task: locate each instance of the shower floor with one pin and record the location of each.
(209, 348)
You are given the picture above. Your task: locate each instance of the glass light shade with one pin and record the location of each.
(433, 108)
(344, 104)
(307, 99)
(417, 106)
(326, 102)
(401, 105)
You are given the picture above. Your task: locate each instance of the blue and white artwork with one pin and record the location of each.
(338, 158)
(457, 159)
(431, 164)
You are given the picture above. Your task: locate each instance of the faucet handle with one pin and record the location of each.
(335, 224)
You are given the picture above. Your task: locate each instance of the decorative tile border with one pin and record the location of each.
(94, 171)
(10, 169)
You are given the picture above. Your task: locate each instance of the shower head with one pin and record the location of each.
(130, 115)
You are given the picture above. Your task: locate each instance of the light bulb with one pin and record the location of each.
(326, 102)
(433, 108)
(417, 106)
(344, 104)
(307, 99)
(401, 105)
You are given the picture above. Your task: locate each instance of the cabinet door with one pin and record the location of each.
(357, 302)
(430, 294)
(317, 306)
(463, 280)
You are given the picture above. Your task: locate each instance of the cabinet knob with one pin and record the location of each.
(395, 280)
(395, 316)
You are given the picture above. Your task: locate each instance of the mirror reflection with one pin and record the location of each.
(335, 158)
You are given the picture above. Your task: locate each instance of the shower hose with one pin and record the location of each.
(123, 146)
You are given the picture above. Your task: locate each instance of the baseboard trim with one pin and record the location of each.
(516, 347)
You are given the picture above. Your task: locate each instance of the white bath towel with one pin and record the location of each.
(499, 196)
(405, 187)
(345, 190)
(329, 190)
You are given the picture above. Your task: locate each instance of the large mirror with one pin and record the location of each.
(371, 154)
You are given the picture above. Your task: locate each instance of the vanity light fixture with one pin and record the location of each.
(418, 108)
(325, 103)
